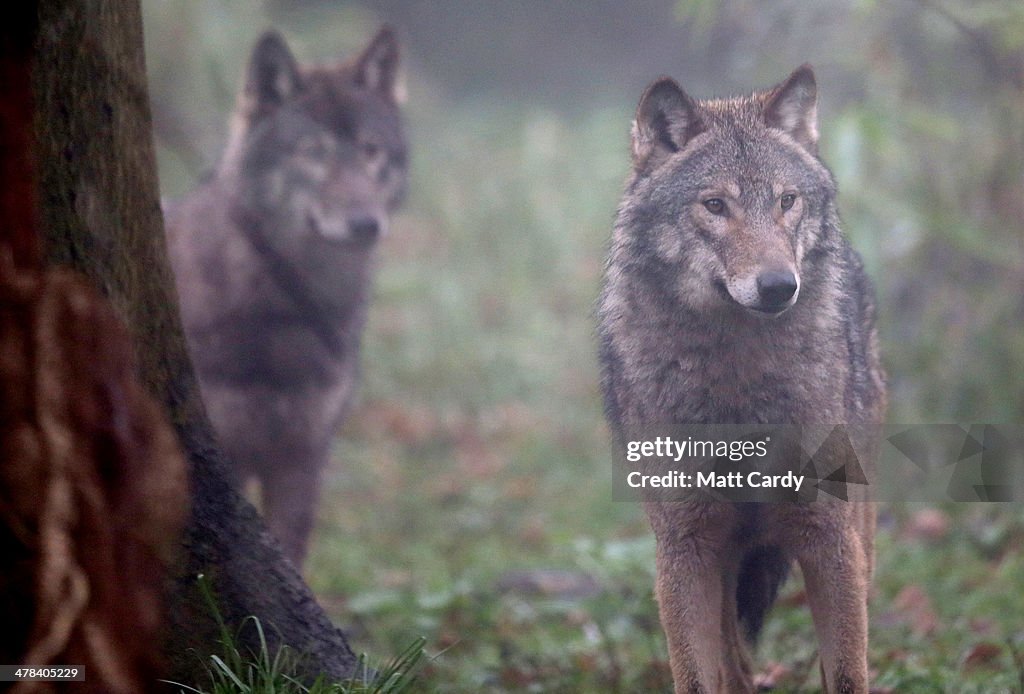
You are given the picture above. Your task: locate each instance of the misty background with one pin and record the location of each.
(469, 498)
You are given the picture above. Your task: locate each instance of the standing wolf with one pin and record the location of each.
(731, 297)
(273, 257)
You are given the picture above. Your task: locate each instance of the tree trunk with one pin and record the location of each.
(99, 212)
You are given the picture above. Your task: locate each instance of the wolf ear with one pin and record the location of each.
(377, 67)
(272, 76)
(792, 107)
(666, 120)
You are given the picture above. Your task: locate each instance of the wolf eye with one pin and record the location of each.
(787, 200)
(715, 205)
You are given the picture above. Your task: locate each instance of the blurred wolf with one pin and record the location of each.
(273, 258)
(731, 296)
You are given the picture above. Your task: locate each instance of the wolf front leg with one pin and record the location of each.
(695, 554)
(689, 592)
(290, 496)
(836, 575)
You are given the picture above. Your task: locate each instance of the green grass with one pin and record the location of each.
(238, 671)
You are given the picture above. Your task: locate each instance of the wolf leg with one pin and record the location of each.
(289, 505)
(836, 579)
(689, 591)
(736, 655)
(868, 518)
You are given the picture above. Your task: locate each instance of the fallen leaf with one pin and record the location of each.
(928, 525)
(914, 608)
(983, 655)
(771, 676)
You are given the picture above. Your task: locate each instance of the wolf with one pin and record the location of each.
(730, 296)
(273, 257)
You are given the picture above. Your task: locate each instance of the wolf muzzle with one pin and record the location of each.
(365, 229)
(771, 291)
(776, 290)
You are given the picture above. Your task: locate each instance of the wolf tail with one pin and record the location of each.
(762, 572)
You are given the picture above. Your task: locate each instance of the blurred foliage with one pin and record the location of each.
(478, 455)
(925, 134)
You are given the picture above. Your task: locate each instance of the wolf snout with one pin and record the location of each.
(360, 229)
(365, 229)
(769, 291)
(776, 290)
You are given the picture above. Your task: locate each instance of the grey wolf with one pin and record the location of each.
(273, 257)
(730, 296)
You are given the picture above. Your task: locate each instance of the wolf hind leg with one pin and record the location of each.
(737, 667)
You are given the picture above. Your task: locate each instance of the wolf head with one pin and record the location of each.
(318, 153)
(728, 197)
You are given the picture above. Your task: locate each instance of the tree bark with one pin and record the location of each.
(99, 213)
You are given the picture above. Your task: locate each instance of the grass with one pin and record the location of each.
(234, 671)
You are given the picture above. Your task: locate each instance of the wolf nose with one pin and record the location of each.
(364, 229)
(776, 287)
